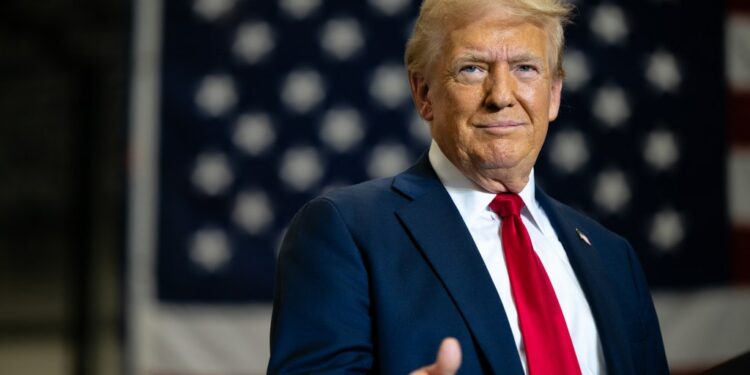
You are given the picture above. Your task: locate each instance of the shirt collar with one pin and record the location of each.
(470, 199)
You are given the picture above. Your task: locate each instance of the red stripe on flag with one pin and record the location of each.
(738, 6)
(740, 248)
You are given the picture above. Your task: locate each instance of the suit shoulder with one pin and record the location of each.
(364, 195)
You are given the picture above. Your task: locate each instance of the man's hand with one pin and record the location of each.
(447, 362)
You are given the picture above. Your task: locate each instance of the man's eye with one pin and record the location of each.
(470, 69)
(527, 68)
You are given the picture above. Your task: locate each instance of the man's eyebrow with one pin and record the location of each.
(525, 57)
(473, 55)
(484, 56)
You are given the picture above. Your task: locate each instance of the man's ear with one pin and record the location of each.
(419, 93)
(554, 99)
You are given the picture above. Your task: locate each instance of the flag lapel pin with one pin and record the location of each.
(583, 237)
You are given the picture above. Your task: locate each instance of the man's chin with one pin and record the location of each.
(500, 162)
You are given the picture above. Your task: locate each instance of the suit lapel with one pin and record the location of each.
(437, 227)
(588, 267)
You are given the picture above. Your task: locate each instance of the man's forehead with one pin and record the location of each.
(494, 26)
(492, 39)
(497, 16)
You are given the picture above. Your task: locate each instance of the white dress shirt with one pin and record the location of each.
(484, 225)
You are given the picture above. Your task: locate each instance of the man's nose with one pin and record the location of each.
(500, 89)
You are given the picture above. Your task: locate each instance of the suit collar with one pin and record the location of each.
(436, 226)
(416, 180)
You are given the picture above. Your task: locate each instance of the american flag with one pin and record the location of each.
(242, 110)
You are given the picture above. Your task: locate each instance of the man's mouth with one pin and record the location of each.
(500, 125)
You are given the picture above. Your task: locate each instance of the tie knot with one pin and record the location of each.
(507, 204)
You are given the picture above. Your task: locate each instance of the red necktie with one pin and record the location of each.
(549, 349)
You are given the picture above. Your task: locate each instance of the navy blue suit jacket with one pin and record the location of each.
(371, 278)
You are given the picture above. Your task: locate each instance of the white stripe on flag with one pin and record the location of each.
(738, 51)
(210, 340)
(704, 328)
(700, 328)
(142, 179)
(739, 187)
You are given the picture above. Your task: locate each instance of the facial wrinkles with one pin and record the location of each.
(500, 87)
(498, 61)
(499, 33)
(496, 90)
(501, 55)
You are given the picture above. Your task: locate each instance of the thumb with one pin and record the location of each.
(447, 362)
(448, 358)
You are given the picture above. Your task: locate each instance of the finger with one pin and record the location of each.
(448, 358)
(447, 362)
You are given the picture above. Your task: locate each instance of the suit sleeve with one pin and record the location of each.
(650, 351)
(321, 321)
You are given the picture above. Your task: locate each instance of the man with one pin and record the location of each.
(463, 248)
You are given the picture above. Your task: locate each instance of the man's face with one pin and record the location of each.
(490, 94)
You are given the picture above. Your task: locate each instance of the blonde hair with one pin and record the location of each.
(424, 43)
